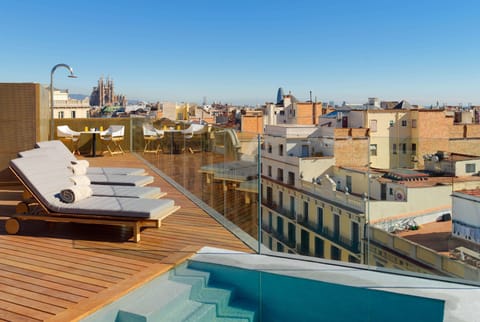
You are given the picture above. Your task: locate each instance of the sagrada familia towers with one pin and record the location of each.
(103, 94)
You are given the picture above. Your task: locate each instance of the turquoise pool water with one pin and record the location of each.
(205, 291)
(285, 298)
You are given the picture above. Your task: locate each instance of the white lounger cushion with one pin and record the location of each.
(61, 166)
(125, 191)
(61, 152)
(43, 163)
(47, 186)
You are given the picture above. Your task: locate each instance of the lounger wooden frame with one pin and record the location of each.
(12, 225)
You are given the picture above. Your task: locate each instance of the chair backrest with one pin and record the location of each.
(149, 130)
(194, 129)
(64, 131)
(198, 128)
(115, 131)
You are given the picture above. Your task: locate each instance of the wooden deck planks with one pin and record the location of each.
(68, 272)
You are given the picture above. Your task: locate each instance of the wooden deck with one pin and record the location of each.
(63, 272)
(221, 196)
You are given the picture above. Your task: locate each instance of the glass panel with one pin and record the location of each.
(374, 195)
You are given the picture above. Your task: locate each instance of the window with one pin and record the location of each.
(470, 167)
(292, 206)
(414, 148)
(373, 125)
(73, 114)
(304, 242)
(335, 253)
(414, 123)
(280, 150)
(280, 199)
(319, 219)
(391, 123)
(291, 178)
(60, 115)
(305, 211)
(394, 148)
(263, 145)
(319, 252)
(291, 233)
(390, 191)
(280, 226)
(279, 247)
(373, 149)
(404, 148)
(280, 174)
(404, 123)
(336, 226)
(269, 170)
(269, 196)
(355, 233)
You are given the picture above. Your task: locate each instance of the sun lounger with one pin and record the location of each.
(45, 188)
(59, 151)
(102, 185)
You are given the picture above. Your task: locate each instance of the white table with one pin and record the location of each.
(173, 148)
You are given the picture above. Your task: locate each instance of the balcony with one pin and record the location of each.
(282, 238)
(266, 228)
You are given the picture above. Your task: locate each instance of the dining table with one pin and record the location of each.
(174, 147)
(93, 132)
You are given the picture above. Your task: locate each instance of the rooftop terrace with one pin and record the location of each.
(63, 272)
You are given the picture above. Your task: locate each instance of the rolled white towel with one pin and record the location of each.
(75, 193)
(85, 163)
(78, 169)
(80, 180)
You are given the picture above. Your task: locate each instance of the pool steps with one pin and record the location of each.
(194, 299)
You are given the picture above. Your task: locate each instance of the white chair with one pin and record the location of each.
(152, 138)
(190, 132)
(112, 138)
(69, 137)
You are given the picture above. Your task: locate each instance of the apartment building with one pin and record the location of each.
(401, 137)
(66, 107)
(300, 214)
(289, 110)
(318, 198)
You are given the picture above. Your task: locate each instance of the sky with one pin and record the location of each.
(241, 52)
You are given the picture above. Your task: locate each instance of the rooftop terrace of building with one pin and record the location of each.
(62, 272)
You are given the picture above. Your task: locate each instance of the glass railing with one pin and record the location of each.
(380, 201)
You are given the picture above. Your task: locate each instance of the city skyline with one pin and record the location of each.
(242, 52)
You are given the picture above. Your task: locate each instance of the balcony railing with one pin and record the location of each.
(351, 245)
(267, 228)
(302, 250)
(284, 239)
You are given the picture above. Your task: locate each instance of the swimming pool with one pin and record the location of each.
(245, 287)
